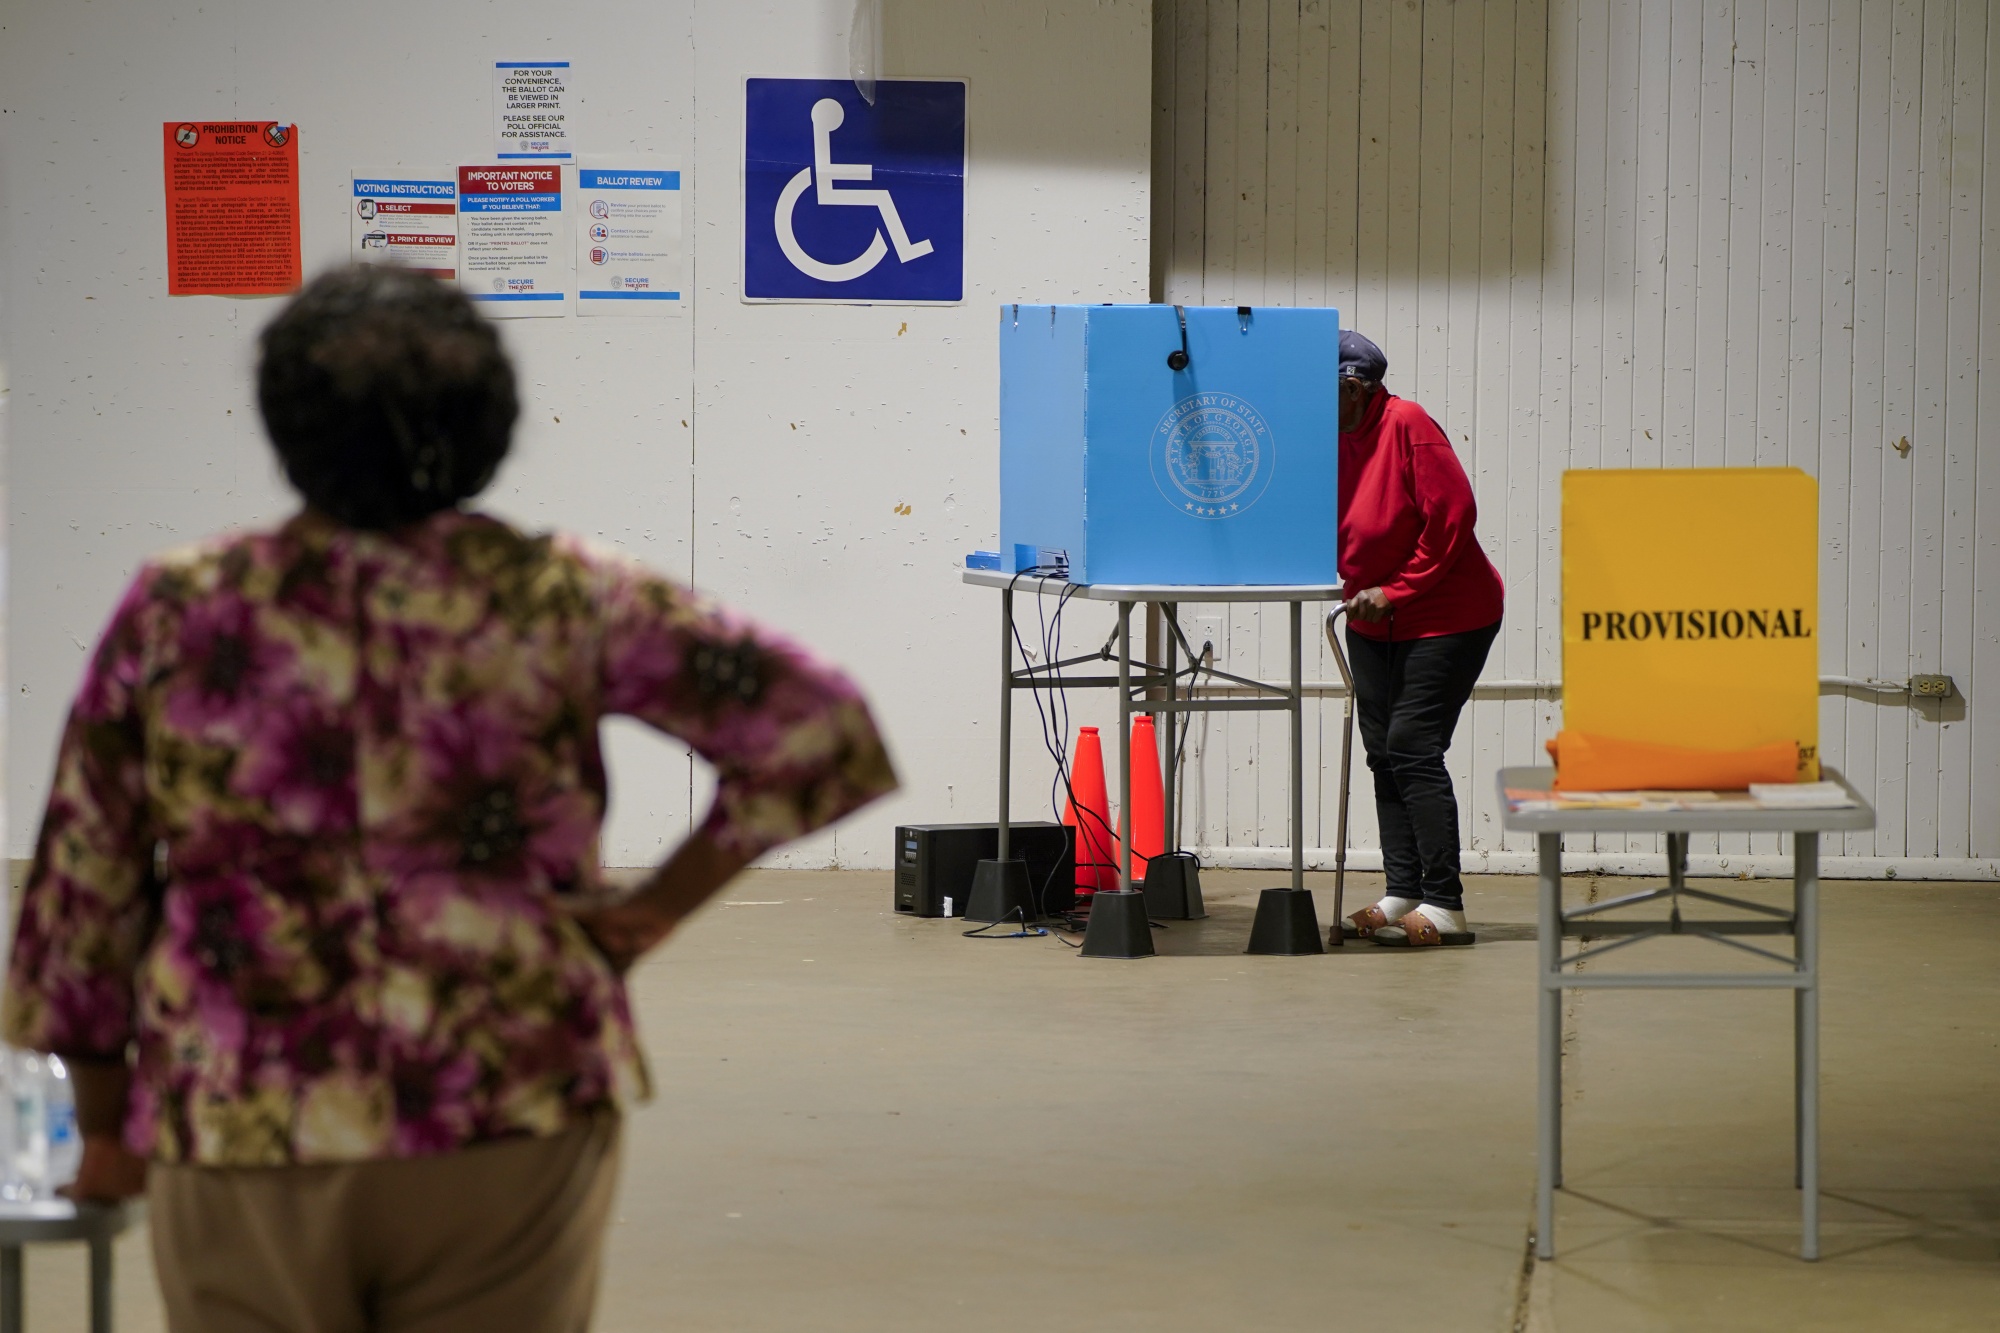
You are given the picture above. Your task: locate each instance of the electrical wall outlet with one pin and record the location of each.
(1203, 629)
(1931, 687)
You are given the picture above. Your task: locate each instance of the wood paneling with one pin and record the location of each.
(1617, 233)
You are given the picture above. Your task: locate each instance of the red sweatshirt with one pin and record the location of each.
(1406, 515)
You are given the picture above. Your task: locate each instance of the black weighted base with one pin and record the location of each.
(1173, 887)
(1285, 925)
(1000, 892)
(1118, 926)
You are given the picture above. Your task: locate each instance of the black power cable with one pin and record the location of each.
(1025, 932)
(1054, 719)
(1055, 724)
(1202, 663)
(1065, 781)
(1055, 746)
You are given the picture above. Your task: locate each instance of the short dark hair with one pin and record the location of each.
(387, 395)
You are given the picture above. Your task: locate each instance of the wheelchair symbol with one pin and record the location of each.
(827, 115)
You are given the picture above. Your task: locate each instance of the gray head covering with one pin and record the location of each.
(1361, 359)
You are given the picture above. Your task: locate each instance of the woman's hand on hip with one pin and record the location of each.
(623, 929)
(1370, 604)
(108, 1172)
(627, 926)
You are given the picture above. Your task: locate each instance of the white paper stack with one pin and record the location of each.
(1801, 795)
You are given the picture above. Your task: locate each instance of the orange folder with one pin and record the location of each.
(1585, 762)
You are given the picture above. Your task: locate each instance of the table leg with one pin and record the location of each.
(100, 1284)
(1124, 745)
(1170, 828)
(1298, 755)
(1548, 1120)
(1805, 895)
(1006, 714)
(1119, 925)
(10, 1289)
(1799, 1067)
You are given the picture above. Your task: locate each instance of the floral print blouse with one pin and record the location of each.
(318, 802)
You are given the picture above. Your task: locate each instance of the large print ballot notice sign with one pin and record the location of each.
(531, 105)
(847, 202)
(232, 190)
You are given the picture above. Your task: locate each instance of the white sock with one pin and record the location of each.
(1397, 908)
(1447, 921)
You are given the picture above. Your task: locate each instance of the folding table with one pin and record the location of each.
(33, 1223)
(1285, 921)
(1798, 972)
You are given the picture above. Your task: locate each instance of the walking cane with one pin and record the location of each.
(1335, 936)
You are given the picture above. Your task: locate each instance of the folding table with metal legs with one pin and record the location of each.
(1798, 972)
(45, 1220)
(1281, 914)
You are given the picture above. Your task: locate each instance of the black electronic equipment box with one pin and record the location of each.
(934, 864)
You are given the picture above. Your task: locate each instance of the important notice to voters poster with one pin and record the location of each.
(513, 249)
(232, 207)
(401, 217)
(628, 238)
(531, 108)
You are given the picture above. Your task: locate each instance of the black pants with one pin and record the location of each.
(1409, 695)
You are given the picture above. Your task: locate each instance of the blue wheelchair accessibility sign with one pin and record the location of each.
(847, 202)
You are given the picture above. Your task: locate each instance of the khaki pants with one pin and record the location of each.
(504, 1235)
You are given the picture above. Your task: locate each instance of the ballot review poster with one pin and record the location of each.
(513, 242)
(232, 207)
(407, 218)
(628, 237)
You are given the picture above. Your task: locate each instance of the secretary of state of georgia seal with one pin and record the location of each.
(1213, 455)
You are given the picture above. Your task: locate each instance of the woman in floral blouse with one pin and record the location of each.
(316, 913)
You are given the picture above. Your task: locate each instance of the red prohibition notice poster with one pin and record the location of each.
(232, 207)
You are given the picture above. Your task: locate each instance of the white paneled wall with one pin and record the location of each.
(1633, 233)
(824, 468)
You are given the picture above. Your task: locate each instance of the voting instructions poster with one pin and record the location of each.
(513, 249)
(232, 207)
(628, 239)
(400, 219)
(531, 110)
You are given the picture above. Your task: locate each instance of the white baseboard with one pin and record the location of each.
(1956, 869)
(1934, 868)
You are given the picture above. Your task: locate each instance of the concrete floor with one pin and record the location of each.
(869, 1123)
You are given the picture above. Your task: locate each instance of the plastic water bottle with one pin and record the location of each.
(31, 1125)
(10, 1181)
(65, 1145)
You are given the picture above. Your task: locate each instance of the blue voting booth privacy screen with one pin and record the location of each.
(1225, 472)
(843, 201)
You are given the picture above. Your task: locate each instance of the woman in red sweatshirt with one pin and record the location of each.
(1423, 606)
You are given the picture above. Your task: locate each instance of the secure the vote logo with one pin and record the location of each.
(1212, 455)
(847, 202)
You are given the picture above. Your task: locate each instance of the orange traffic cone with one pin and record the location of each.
(1089, 814)
(1149, 801)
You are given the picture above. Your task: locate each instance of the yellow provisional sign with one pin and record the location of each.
(1691, 608)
